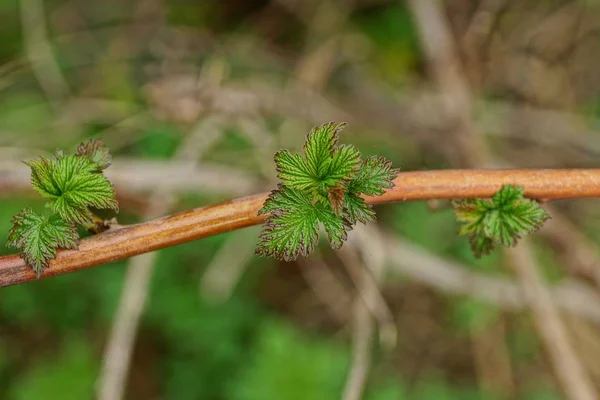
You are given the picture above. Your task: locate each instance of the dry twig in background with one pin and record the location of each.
(328, 288)
(371, 272)
(142, 176)
(227, 266)
(119, 346)
(439, 47)
(573, 378)
(363, 327)
(117, 356)
(418, 264)
(39, 52)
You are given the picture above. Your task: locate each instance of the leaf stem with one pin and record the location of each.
(546, 184)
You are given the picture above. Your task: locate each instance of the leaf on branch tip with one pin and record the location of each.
(321, 186)
(502, 220)
(72, 184)
(96, 152)
(38, 237)
(325, 165)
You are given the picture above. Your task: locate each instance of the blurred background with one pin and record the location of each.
(194, 97)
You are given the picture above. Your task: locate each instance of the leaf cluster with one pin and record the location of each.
(322, 186)
(71, 184)
(501, 220)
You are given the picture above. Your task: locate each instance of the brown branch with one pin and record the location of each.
(224, 217)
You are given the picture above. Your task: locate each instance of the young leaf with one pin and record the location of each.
(291, 230)
(323, 187)
(319, 145)
(38, 237)
(514, 216)
(96, 152)
(337, 228)
(72, 184)
(481, 245)
(293, 171)
(374, 175)
(499, 221)
(325, 166)
(343, 165)
(357, 210)
(471, 214)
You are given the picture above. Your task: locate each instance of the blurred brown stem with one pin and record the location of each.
(236, 214)
(570, 373)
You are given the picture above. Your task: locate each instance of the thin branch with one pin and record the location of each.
(451, 277)
(329, 289)
(198, 223)
(368, 240)
(577, 252)
(226, 268)
(371, 272)
(438, 44)
(574, 379)
(367, 283)
(39, 51)
(363, 330)
(492, 358)
(119, 347)
(444, 65)
(142, 176)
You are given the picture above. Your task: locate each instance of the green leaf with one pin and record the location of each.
(293, 171)
(471, 213)
(374, 175)
(319, 146)
(499, 221)
(73, 184)
(481, 245)
(323, 186)
(514, 216)
(96, 152)
(325, 166)
(337, 228)
(356, 209)
(38, 237)
(343, 165)
(292, 228)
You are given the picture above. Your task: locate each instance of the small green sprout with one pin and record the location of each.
(502, 220)
(72, 184)
(322, 186)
